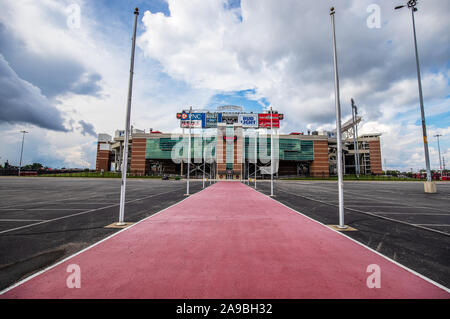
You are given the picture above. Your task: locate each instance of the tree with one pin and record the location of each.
(33, 167)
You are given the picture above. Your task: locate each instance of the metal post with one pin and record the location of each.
(243, 156)
(338, 128)
(439, 151)
(429, 188)
(120, 156)
(357, 144)
(189, 152)
(271, 152)
(204, 160)
(21, 151)
(422, 111)
(127, 126)
(248, 164)
(256, 154)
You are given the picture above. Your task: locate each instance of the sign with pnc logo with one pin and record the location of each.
(197, 120)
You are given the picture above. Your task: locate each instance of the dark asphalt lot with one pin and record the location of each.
(417, 233)
(60, 216)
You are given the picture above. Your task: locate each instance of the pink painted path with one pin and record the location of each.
(227, 241)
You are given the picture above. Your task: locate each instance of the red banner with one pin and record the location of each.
(264, 120)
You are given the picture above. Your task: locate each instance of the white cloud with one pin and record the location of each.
(280, 49)
(283, 50)
(54, 149)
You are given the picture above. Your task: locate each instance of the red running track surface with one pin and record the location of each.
(227, 241)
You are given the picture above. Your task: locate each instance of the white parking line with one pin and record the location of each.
(392, 213)
(369, 213)
(28, 209)
(360, 196)
(22, 220)
(397, 207)
(81, 213)
(434, 225)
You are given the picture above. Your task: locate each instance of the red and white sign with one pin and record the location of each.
(194, 124)
(264, 120)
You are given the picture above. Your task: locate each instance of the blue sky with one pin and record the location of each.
(244, 98)
(69, 84)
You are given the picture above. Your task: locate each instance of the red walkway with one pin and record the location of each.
(227, 241)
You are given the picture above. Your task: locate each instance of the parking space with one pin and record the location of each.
(43, 220)
(402, 201)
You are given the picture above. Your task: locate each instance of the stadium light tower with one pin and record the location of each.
(439, 151)
(127, 128)
(338, 127)
(430, 187)
(21, 149)
(355, 137)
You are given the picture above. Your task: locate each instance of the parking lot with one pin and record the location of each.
(396, 219)
(43, 220)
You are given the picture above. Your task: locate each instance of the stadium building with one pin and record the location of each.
(223, 147)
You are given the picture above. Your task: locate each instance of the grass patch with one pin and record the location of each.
(96, 175)
(355, 178)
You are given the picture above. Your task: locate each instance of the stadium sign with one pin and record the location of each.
(211, 120)
(248, 120)
(264, 120)
(197, 120)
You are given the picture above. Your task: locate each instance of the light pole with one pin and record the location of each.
(204, 160)
(248, 160)
(256, 154)
(338, 127)
(439, 151)
(271, 152)
(189, 153)
(127, 128)
(21, 150)
(355, 137)
(430, 187)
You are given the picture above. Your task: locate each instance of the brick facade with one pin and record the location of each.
(320, 167)
(138, 147)
(220, 156)
(375, 157)
(102, 161)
